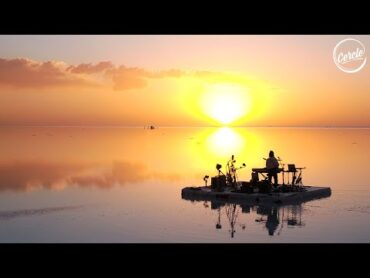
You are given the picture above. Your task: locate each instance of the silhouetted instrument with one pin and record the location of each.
(231, 176)
(230, 179)
(206, 179)
(282, 165)
(262, 171)
(292, 169)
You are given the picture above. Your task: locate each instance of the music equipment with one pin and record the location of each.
(264, 170)
(218, 182)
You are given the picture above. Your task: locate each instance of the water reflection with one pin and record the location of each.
(225, 141)
(8, 215)
(273, 217)
(138, 175)
(29, 176)
(57, 157)
(54, 158)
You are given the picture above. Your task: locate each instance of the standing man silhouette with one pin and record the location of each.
(272, 166)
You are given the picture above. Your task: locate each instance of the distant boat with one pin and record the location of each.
(149, 127)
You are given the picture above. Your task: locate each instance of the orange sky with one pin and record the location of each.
(179, 81)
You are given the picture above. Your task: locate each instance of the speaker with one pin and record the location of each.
(218, 182)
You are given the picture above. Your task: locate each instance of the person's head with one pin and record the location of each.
(271, 154)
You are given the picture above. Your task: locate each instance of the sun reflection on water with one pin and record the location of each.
(224, 142)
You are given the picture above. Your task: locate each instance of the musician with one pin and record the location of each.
(272, 166)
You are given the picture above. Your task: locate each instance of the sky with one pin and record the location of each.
(179, 80)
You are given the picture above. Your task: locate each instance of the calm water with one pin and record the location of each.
(124, 185)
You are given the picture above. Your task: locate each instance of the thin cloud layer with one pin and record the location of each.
(91, 68)
(26, 73)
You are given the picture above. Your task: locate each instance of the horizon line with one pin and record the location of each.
(184, 126)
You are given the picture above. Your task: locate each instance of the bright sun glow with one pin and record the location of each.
(225, 141)
(226, 103)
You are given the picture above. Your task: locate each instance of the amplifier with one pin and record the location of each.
(218, 182)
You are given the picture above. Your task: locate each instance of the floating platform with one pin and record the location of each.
(305, 194)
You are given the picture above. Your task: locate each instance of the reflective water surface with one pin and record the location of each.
(80, 184)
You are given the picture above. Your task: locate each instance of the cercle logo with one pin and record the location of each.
(350, 55)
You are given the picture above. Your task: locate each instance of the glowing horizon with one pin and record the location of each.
(179, 81)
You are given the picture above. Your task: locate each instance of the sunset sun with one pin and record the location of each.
(226, 103)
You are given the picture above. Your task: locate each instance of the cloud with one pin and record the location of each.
(91, 68)
(128, 78)
(135, 78)
(27, 73)
(30, 74)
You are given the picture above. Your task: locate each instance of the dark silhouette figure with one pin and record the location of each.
(272, 221)
(272, 166)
